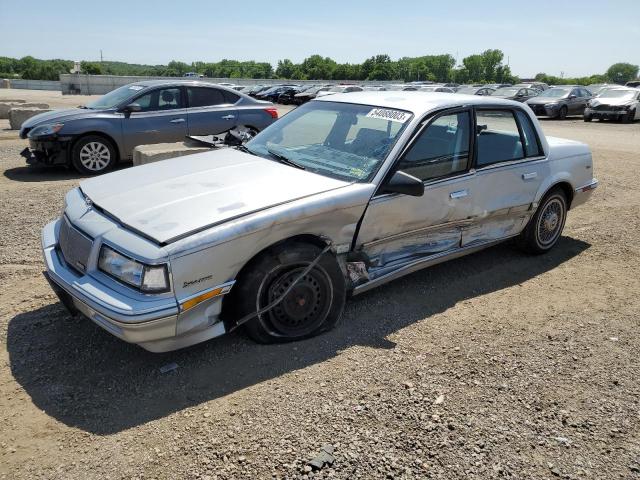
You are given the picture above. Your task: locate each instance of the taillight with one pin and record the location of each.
(272, 111)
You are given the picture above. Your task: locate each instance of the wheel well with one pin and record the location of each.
(227, 311)
(97, 134)
(567, 189)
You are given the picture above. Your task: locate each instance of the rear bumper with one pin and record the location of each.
(582, 194)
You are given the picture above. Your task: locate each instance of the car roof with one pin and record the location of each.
(186, 81)
(416, 102)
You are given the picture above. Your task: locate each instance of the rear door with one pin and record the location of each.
(396, 228)
(163, 118)
(510, 166)
(211, 110)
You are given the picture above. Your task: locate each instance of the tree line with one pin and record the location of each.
(485, 67)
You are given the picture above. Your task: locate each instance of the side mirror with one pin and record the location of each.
(129, 109)
(405, 184)
(571, 97)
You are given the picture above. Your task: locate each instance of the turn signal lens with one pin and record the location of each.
(192, 302)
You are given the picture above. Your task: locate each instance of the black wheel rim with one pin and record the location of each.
(304, 308)
(550, 222)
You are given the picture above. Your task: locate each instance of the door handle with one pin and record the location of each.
(228, 117)
(529, 176)
(459, 194)
(177, 120)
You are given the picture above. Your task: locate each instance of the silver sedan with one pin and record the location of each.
(340, 196)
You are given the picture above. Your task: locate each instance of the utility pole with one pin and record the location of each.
(100, 56)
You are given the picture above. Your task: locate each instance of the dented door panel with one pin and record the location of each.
(503, 200)
(399, 228)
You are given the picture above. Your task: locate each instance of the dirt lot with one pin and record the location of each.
(497, 365)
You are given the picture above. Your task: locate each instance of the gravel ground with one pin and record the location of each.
(497, 365)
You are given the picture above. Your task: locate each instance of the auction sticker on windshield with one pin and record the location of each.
(388, 114)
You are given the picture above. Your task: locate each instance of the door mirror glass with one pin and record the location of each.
(405, 184)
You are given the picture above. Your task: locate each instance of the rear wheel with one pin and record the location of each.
(313, 305)
(93, 155)
(545, 227)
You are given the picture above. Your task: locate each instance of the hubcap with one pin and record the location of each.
(550, 223)
(95, 156)
(304, 308)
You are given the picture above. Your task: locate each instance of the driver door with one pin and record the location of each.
(163, 118)
(397, 229)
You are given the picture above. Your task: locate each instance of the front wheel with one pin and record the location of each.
(313, 305)
(629, 117)
(544, 229)
(588, 118)
(93, 155)
(563, 113)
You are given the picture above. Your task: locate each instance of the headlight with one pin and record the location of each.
(44, 130)
(148, 278)
(551, 105)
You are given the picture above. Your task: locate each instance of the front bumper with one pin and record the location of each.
(544, 111)
(153, 325)
(47, 151)
(605, 114)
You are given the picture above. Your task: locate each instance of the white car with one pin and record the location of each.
(614, 104)
(339, 89)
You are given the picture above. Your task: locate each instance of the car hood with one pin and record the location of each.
(611, 101)
(169, 199)
(60, 116)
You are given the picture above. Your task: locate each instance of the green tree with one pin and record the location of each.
(91, 68)
(285, 68)
(622, 72)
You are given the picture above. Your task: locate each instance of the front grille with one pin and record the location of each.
(539, 109)
(75, 246)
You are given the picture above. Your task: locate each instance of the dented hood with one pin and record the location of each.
(169, 199)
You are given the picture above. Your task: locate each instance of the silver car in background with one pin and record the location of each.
(93, 138)
(341, 195)
(620, 103)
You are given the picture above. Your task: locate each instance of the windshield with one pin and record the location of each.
(555, 92)
(115, 97)
(467, 90)
(506, 92)
(337, 89)
(617, 94)
(339, 140)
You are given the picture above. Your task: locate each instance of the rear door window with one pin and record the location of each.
(531, 143)
(205, 97)
(497, 137)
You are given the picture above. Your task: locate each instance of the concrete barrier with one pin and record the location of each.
(144, 154)
(18, 115)
(5, 106)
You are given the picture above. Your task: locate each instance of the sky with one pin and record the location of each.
(569, 37)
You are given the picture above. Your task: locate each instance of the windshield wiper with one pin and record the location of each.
(244, 149)
(285, 160)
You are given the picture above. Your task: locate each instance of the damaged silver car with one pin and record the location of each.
(340, 196)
